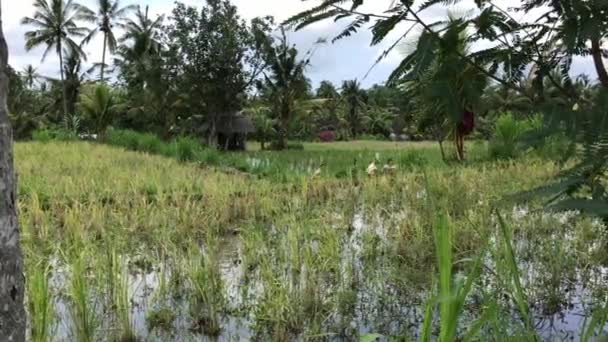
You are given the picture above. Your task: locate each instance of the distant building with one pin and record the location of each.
(232, 130)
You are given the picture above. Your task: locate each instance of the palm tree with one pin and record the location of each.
(30, 75)
(99, 107)
(442, 84)
(108, 14)
(285, 84)
(142, 32)
(327, 90)
(355, 98)
(55, 23)
(138, 44)
(379, 120)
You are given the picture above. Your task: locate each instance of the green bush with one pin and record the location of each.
(127, 139)
(58, 134)
(556, 146)
(149, 143)
(373, 137)
(505, 143)
(209, 156)
(290, 146)
(187, 149)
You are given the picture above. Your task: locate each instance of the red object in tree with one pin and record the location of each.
(467, 125)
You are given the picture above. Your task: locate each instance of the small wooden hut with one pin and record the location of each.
(232, 130)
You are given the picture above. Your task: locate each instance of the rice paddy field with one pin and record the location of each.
(131, 246)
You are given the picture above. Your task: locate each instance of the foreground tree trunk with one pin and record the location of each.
(596, 52)
(12, 285)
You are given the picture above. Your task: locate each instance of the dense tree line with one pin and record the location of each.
(187, 73)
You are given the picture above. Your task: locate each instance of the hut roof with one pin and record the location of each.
(235, 123)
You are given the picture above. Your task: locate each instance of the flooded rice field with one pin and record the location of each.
(241, 298)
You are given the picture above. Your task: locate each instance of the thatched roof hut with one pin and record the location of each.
(232, 131)
(235, 123)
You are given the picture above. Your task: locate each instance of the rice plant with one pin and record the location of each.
(207, 301)
(82, 304)
(40, 301)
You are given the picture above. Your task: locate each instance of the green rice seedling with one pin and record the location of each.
(160, 319)
(451, 294)
(207, 302)
(122, 300)
(82, 306)
(514, 277)
(40, 300)
(593, 327)
(276, 313)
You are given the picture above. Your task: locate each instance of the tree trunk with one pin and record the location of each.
(283, 132)
(63, 85)
(103, 55)
(596, 52)
(12, 284)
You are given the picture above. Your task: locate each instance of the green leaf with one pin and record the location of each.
(370, 337)
(590, 206)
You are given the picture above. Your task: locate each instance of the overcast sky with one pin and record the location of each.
(346, 59)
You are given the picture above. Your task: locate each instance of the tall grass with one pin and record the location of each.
(40, 301)
(122, 299)
(207, 302)
(451, 294)
(82, 305)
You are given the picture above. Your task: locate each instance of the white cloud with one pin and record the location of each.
(346, 59)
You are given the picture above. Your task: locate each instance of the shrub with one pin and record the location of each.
(149, 143)
(376, 137)
(556, 146)
(187, 149)
(209, 156)
(127, 139)
(290, 146)
(58, 134)
(507, 133)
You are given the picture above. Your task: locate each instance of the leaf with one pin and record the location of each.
(370, 337)
(383, 27)
(590, 206)
(352, 28)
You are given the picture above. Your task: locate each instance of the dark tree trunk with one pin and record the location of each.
(12, 284)
(63, 84)
(103, 56)
(283, 132)
(596, 52)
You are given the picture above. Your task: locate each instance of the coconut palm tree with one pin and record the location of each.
(138, 44)
(56, 26)
(285, 84)
(142, 32)
(30, 76)
(100, 107)
(355, 99)
(109, 14)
